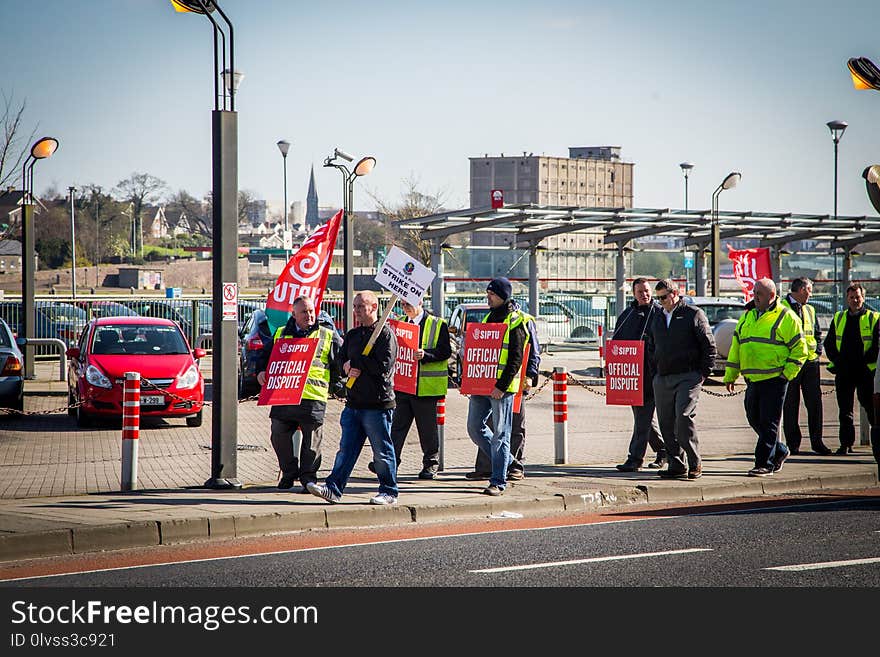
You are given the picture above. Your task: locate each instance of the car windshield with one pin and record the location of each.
(476, 314)
(4, 336)
(63, 311)
(577, 306)
(716, 313)
(111, 308)
(205, 314)
(139, 339)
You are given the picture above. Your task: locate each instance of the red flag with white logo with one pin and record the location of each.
(305, 273)
(750, 265)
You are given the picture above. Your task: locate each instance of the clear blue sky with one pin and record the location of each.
(126, 85)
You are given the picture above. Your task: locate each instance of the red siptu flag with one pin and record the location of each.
(305, 273)
(750, 265)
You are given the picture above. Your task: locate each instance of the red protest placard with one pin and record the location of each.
(406, 371)
(624, 372)
(517, 400)
(287, 371)
(479, 362)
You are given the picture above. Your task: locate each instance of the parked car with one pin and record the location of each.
(157, 348)
(178, 311)
(106, 309)
(250, 342)
(11, 370)
(723, 313)
(52, 319)
(564, 324)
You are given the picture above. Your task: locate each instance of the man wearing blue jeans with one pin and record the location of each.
(369, 405)
(495, 443)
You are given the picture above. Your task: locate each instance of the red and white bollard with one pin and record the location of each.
(131, 428)
(601, 351)
(441, 428)
(560, 415)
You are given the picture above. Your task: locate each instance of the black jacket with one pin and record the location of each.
(633, 324)
(374, 388)
(687, 345)
(515, 347)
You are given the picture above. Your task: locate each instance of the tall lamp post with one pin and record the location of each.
(284, 147)
(72, 190)
(728, 183)
(686, 170)
(837, 129)
(41, 150)
(224, 164)
(362, 168)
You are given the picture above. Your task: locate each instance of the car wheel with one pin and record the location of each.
(583, 332)
(194, 420)
(457, 378)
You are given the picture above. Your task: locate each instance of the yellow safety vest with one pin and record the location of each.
(767, 346)
(808, 322)
(434, 376)
(318, 378)
(513, 319)
(867, 321)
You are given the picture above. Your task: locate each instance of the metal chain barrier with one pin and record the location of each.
(534, 392)
(577, 382)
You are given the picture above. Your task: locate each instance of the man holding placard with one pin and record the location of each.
(499, 402)
(369, 404)
(305, 419)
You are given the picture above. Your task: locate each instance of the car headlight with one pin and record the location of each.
(188, 379)
(97, 378)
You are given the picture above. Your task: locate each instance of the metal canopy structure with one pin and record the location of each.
(532, 223)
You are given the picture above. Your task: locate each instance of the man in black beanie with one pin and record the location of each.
(495, 443)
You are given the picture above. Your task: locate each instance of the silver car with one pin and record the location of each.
(11, 370)
(723, 313)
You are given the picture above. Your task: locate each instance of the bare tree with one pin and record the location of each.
(139, 189)
(413, 203)
(198, 213)
(14, 144)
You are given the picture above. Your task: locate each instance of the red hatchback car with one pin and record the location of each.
(156, 348)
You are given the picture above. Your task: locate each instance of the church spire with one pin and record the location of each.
(312, 203)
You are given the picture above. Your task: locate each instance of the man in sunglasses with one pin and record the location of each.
(681, 346)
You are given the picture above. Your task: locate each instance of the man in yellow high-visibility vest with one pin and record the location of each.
(768, 349)
(851, 345)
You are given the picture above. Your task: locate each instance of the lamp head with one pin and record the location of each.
(364, 166)
(837, 129)
(284, 147)
(865, 75)
(686, 167)
(232, 79)
(732, 180)
(44, 148)
(193, 6)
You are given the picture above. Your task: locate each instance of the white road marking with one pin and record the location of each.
(825, 564)
(572, 562)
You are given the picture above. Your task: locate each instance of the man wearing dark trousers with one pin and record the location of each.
(682, 348)
(807, 380)
(768, 349)
(433, 377)
(631, 325)
(851, 346)
(302, 461)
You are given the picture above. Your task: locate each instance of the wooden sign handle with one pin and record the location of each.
(375, 336)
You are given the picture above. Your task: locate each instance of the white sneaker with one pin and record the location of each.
(322, 491)
(383, 498)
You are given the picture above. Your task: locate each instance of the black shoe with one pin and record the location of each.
(673, 474)
(793, 451)
(629, 466)
(371, 467)
(659, 462)
(286, 482)
(779, 459)
(477, 476)
(821, 449)
(428, 473)
(515, 475)
(843, 451)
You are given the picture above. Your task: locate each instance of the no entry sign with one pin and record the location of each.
(624, 372)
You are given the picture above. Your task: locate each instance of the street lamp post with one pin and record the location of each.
(686, 170)
(728, 183)
(42, 149)
(224, 164)
(837, 129)
(284, 147)
(72, 190)
(364, 166)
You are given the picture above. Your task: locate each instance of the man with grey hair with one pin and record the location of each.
(768, 349)
(807, 380)
(680, 344)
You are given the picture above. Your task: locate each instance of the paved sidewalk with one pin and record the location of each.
(58, 484)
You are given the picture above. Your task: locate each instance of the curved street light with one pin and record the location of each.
(42, 149)
(284, 147)
(729, 182)
(363, 167)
